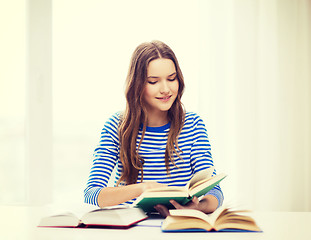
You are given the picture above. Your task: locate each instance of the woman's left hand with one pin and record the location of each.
(194, 204)
(207, 204)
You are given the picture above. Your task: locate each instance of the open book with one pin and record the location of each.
(201, 183)
(223, 219)
(120, 217)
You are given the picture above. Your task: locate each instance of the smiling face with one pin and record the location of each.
(162, 86)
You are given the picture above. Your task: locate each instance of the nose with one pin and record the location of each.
(164, 88)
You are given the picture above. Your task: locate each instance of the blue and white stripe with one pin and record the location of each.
(193, 141)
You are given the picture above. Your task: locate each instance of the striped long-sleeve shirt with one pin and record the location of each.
(195, 156)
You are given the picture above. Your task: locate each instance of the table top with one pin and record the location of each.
(21, 223)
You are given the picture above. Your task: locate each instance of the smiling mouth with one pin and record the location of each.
(166, 98)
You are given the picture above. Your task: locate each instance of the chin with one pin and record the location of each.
(165, 109)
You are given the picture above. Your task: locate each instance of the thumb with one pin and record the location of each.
(195, 200)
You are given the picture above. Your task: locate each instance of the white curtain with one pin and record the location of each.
(255, 94)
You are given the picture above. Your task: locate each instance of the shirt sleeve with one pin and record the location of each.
(201, 157)
(104, 160)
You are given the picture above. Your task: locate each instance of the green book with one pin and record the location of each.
(200, 184)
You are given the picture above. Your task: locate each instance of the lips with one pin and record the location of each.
(164, 99)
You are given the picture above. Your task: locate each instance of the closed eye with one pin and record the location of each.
(172, 79)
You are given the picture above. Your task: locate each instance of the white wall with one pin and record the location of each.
(247, 73)
(255, 81)
(92, 45)
(12, 101)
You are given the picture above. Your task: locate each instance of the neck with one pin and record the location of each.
(157, 119)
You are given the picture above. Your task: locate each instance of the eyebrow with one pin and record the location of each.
(167, 76)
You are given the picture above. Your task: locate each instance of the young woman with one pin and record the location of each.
(154, 142)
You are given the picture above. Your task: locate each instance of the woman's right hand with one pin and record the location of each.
(150, 185)
(110, 196)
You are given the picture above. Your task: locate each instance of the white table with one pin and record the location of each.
(21, 223)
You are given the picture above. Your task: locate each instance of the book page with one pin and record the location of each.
(60, 220)
(206, 185)
(167, 189)
(199, 183)
(122, 216)
(240, 219)
(199, 176)
(210, 218)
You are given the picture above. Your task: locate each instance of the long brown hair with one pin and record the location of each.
(135, 112)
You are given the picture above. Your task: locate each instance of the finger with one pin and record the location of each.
(162, 210)
(176, 204)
